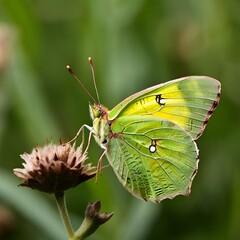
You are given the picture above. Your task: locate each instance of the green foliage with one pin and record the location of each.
(134, 45)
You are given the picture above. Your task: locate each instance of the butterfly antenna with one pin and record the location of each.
(85, 89)
(93, 79)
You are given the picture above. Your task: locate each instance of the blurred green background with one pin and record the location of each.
(134, 45)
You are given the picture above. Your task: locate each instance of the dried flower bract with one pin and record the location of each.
(92, 213)
(54, 168)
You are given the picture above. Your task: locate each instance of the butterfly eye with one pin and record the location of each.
(94, 111)
(97, 112)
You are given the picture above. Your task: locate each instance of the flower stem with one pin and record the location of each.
(61, 203)
(85, 229)
(92, 221)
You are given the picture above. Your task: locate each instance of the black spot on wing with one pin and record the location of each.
(160, 100)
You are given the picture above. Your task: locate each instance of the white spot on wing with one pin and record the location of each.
(152, 148)
(162, 101)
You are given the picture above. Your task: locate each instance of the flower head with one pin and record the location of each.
(55, 168)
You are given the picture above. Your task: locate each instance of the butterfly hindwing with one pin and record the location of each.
(153, 158)
(188, 102)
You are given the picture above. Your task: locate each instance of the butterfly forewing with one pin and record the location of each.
(153, 158)
(188, 102)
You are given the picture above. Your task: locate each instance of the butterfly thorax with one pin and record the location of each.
(101, 125)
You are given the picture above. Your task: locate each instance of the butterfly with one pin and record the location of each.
(149, 138)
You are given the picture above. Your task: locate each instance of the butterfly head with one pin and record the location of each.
(98, 111)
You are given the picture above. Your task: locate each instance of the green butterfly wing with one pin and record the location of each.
(151, 146)
(188, 102)
(153, 158)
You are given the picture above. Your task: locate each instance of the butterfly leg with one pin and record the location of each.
(89, 140)
(99, 165)
(79, 131)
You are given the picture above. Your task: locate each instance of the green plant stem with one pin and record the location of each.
(93, 219)
(86, 229)
(61, 203)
